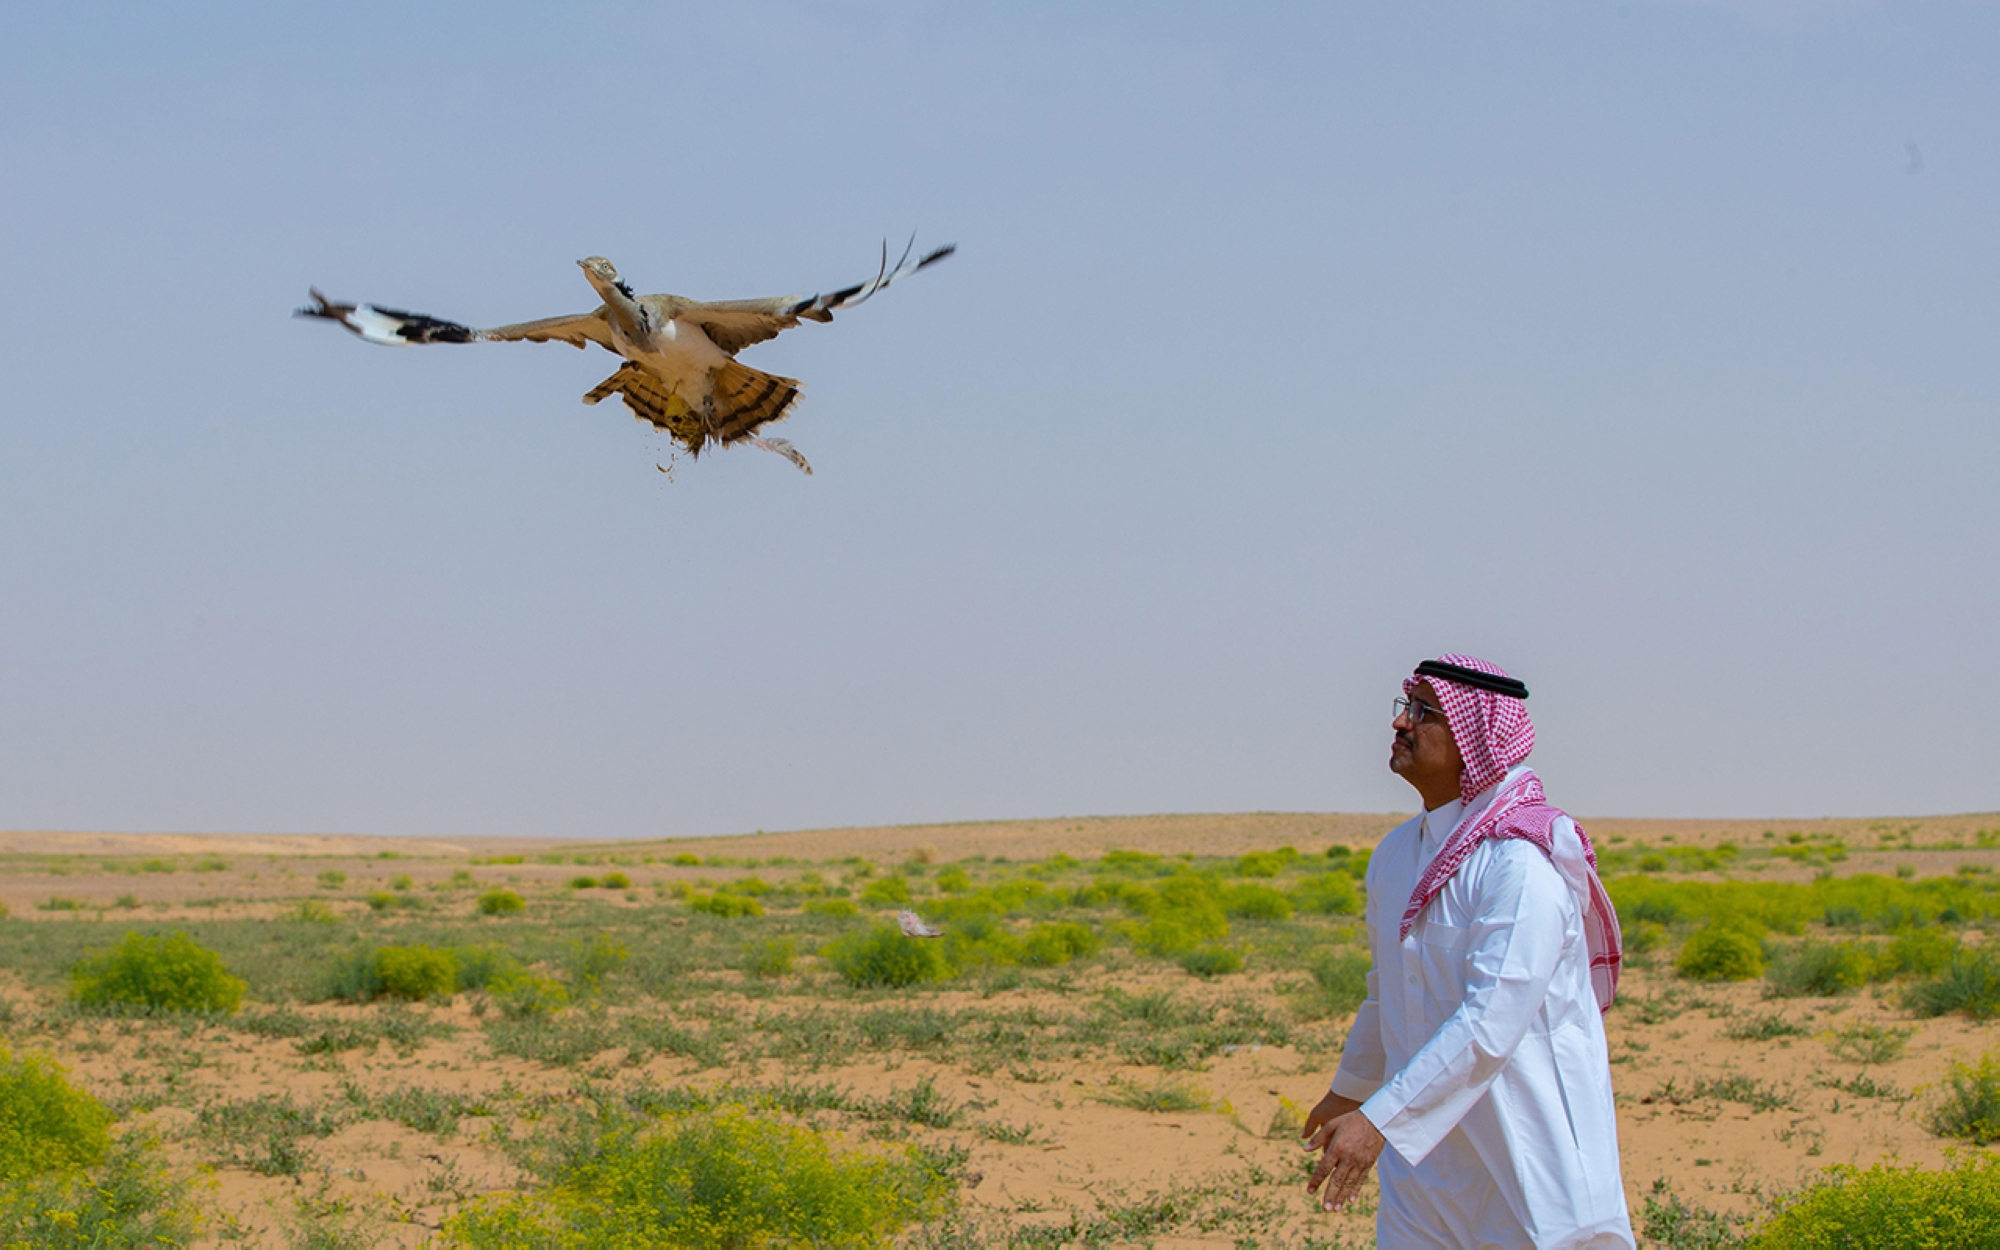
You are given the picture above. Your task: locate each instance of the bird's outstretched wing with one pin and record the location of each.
(913, 925)
(735, 324)
(401, 329)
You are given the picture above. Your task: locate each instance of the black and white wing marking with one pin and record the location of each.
(735, 324)
(397, 328)
(914, 926)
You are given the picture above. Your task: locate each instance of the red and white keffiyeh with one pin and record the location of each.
(1494, 735)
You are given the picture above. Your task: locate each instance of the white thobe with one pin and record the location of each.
(1480, 1052)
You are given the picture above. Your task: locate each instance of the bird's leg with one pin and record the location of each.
(782, 446)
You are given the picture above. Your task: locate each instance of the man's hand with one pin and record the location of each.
(1349, 1146)
(1331, 1107)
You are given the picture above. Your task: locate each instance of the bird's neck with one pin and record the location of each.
(624, 311)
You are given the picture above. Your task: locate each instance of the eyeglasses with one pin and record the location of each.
(1417, 713)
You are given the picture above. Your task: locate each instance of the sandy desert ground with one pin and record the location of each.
(1113, 1099)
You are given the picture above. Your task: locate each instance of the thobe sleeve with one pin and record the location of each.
(1515, 943)
(1363, 1059)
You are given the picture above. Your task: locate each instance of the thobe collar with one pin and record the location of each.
(1436, 826)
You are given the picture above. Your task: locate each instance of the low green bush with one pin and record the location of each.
(172, 973)
(1969, 1107)
(832, 907)
(1645, 936)
(46, 1123)
(615, 881)
(1261, 864)
(725, 905)
(1328, 894)
(523, 995)
(1816, 969)
(1256, 902)
(591, 962)
(1918, 952)
(332, 879)
(1969, 982)
(771, 958)
(1717, 953)
(480, 966)
(583, 883)
(1342, 980)
(1211, 961)
(953, 881)
(501, 903)
(1051, 945)
(131, 1199)
(1887, 1207)
(719, 1178)
(886, 892)
(687, 859)
(883, 956)
(416, 973)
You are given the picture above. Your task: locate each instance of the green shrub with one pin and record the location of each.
(1918, 952)
(1211, 961)
(1970, 1108)
(1720, 954)
(1051, 945)
(416, 972)
(832, 907)
(1256, 902)
(46, 1124)
(883, 956)
(1887, 1207)
(1645, 936)
(590, 962)
(771, 958)
(522, 995)
(1818, 969)
(1342, 978)
(310, 911)
(687, 859)
(132, 1199)
(501, 903)
(753, 887)
(1866, 1043)
(1970, 983)
(172, 973)
(725, 905)
(615, 881)
(719, 1178)
(1329, 894)
(401, 881)
(583, 883)
(980, 941)
(886, 892)
(953, 881)
(480, 966)
(1260, 864)
(332, 879)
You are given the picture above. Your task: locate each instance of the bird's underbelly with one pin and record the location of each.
(681, 356)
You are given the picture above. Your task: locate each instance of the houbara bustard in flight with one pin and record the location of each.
(680, 371)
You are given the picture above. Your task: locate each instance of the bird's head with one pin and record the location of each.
(603, 275)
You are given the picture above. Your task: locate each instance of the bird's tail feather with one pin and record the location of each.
(746, 398)
(652, 401)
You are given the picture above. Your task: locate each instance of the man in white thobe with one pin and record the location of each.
(1479, 1058)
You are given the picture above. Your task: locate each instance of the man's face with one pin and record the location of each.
(1423, 750)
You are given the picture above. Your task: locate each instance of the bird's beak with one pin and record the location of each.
(579, 264)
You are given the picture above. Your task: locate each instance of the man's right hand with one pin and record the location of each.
(1331, 1107)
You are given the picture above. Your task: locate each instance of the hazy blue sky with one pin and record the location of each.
(1649, 350)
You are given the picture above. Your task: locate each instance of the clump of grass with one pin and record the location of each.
(1211, 961)
(332, 879)
(173, 973)
(416, 973)
(725, 905)
(499, 902)
(832, 907)
(1718, 953)
(1673, 1223)
(311, 911)
(46, 1123)
(1817, 969)
(882, 956)
(615, 881)
(1342, 981)
(771, 958)
(1734, 1087)
(132, 1199)
(1052, 945)
(892, 891)
(1970, 983)
(1869, 1043)
(1256, 902)
(953, 881)
(583, 883)
(591, 962)
(1327, 894)
(1919, 952)
(724, 1177)
(1162, 1095)
(1887, 1207)
(1763, 1028)
(1969, 1108)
